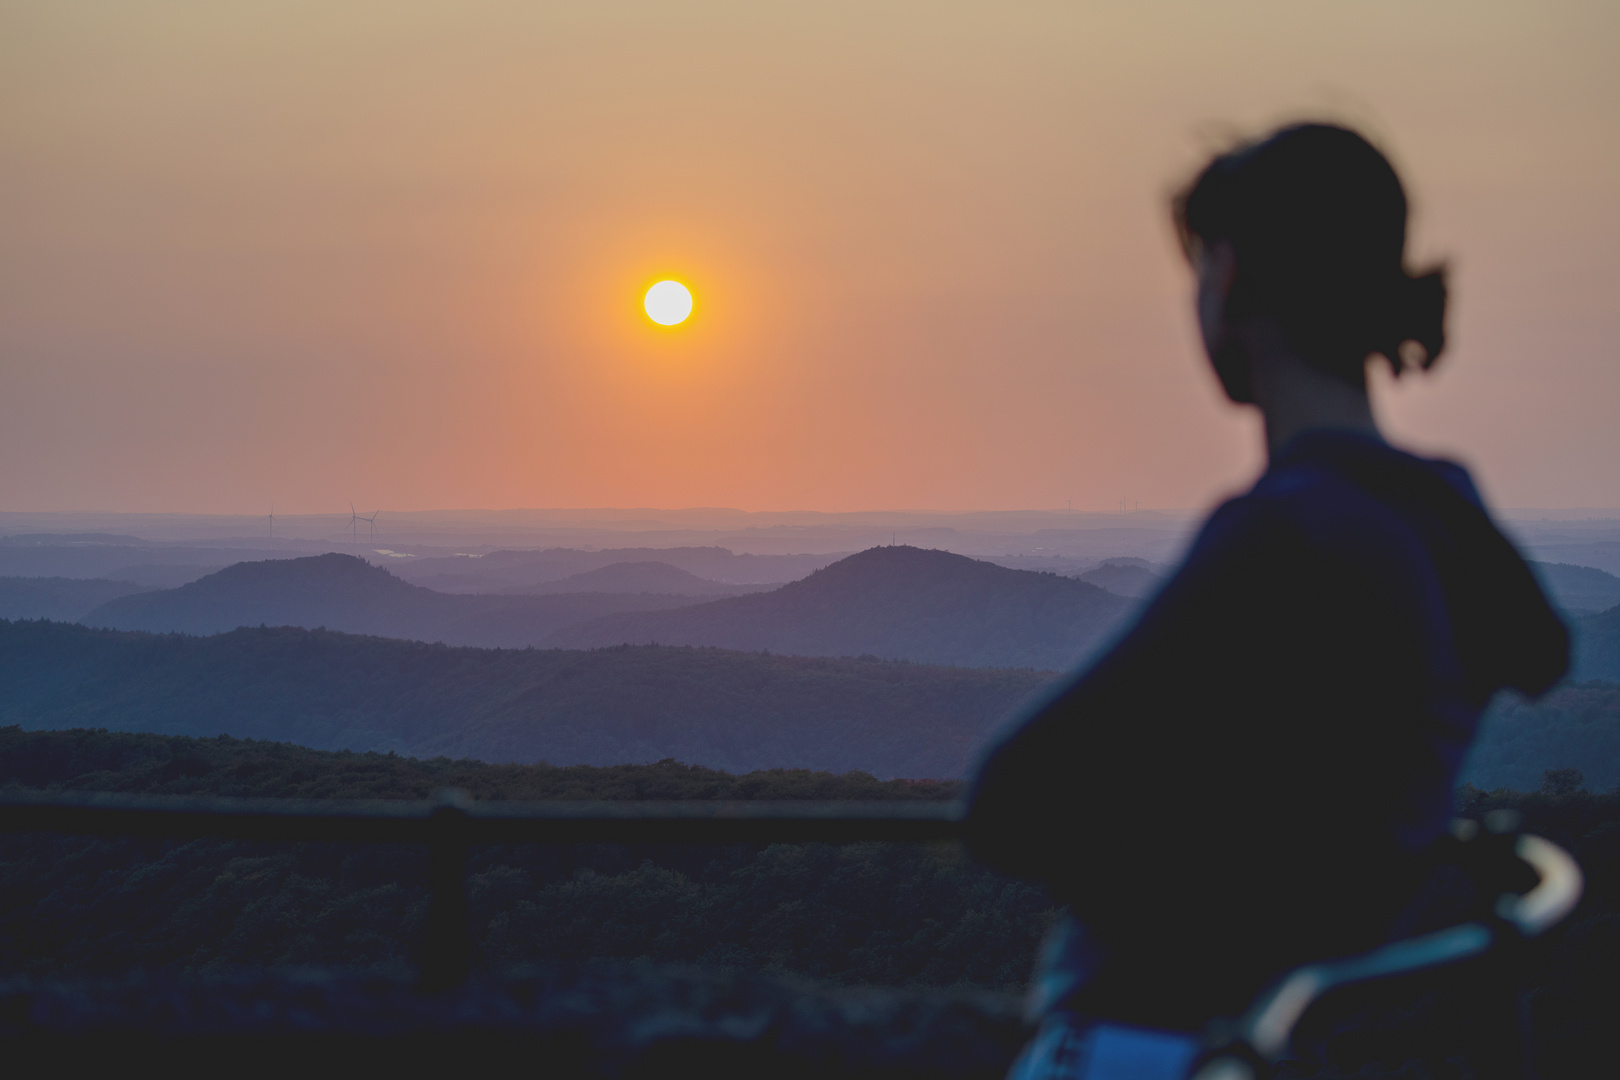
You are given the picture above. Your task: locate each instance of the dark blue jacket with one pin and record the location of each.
(1242, 782)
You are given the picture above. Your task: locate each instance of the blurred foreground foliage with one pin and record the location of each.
(882, 914)
(889, 914)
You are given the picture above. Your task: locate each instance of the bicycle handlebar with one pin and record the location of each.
(1265, 1031)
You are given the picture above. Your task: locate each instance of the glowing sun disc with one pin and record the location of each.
(668, 303)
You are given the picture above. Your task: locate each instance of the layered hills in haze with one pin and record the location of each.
(894, 602)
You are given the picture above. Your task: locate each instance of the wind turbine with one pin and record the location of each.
(372, 521)
(272, 521)
(354, 525)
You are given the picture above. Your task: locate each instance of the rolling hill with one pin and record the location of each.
(894, 602)
(341, 592)
(1575, 726)
(331, 691)
(1597, 646)
(1126, 577)
(1578, 590)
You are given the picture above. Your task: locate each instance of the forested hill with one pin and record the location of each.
(1597, 646)
(1578, 590)
(903, 602)
(326, 690)
(341, 592)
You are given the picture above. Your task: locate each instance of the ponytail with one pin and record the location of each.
(1416, 315)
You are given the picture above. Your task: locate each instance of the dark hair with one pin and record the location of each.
(1317, 218)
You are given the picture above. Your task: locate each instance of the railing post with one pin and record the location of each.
(447, 953)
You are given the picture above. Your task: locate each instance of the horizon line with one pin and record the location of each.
(1599, 512)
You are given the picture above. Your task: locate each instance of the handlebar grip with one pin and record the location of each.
(1553, 897)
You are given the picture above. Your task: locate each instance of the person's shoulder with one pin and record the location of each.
(1343, 498)
(1287, 498)
(1340, 472)
(1340, 495)
(1455, 476)
(1256, 527)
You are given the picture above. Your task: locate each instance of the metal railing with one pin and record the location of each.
(452, 822)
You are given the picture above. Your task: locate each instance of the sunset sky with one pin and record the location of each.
(395, 252)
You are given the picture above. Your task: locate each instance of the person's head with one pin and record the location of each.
(1307, 227)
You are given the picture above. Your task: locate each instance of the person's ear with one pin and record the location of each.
(1216, 267)
(1217, 274)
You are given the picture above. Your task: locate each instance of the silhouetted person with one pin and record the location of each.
(1243, 783)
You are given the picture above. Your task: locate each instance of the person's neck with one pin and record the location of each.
(1295, 397)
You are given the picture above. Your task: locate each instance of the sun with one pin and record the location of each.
(668, 303)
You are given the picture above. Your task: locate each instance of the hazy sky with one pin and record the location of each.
(309, 252)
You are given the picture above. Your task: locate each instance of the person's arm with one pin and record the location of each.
(1276, 685)
(1050, 786)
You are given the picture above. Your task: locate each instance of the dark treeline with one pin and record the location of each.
(856, 914)
(100, 760)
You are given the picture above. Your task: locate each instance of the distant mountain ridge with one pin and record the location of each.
(895, 602)
(341, 592)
